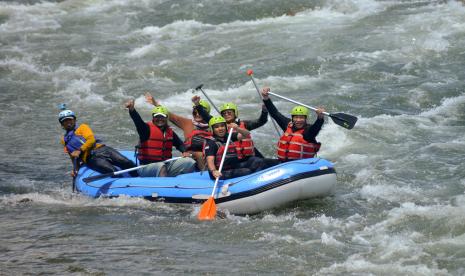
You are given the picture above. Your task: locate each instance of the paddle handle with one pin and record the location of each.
(208, 98)
(222, 160)
(260, 95)
(296, 102)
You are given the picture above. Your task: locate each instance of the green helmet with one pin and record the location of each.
(216, 120)
(299, 110)
(205, 105)
(228, 106)
(160, 110)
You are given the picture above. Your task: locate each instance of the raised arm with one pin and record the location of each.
(254, 124)
(282, 120)
(142, 128)
(183, 123)
(311, 132)
(202, 112)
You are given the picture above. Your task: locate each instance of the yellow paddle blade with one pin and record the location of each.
(207, 210)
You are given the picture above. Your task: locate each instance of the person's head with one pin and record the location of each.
(160, 116)
(67, 119)
(218, 126)
(229, 112)
(299, 116)
(195, 113)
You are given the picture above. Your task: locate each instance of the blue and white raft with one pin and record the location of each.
(254, 193)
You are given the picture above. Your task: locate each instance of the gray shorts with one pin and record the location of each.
(173, 168)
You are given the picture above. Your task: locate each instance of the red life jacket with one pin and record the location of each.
(245, 147)
(231, 154)
(292, 145)
(158, 147)
(196, 140)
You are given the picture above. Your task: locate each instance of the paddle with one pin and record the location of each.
(105, 175)
(75, 172)
(208, 208)
(250, 73)
(208, 98)
(342, 119)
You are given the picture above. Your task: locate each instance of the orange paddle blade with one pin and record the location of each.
(207, 210)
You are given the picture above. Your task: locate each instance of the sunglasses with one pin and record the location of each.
(227, 112)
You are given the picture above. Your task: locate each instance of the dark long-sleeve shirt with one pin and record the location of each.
(254, 124)
(143, 130)
(203, 113)
(310, 132)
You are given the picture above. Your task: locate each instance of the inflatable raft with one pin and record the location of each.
(260, 191)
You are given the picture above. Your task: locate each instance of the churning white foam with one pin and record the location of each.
(30, 18)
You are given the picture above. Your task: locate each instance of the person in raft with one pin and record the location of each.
(82, 146)
(299, 138)
(230, 113)
(214, 148)
(195, 129)
(156, 141)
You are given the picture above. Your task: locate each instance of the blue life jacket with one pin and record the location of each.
(74, 142)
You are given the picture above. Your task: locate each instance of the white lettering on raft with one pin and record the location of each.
(271, 175)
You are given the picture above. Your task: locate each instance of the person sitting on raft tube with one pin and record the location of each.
(156, 141)
(214, 148)
(230, 113)
(82, 146)
(299, 138)
(195, 129)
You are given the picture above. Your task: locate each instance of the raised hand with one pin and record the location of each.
(265, 92)
(130, 104)
(319, 112)
(150, 99)
(196, 99)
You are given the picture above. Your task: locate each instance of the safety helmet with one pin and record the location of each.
(228, 106)
(65, 113)
(160, 110)
(216, 120)
(299, 110)
(205, 105)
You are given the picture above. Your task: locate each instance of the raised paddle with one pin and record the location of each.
(105, 175)
(208, 98)
(208, 208)
(250, 73)
(342, 119)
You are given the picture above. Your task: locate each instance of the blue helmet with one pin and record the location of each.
(65, 114)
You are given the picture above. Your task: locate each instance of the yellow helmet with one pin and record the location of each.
(205, 105)
(229, 106)
(299, 110)
(160, 110)
(216, 120)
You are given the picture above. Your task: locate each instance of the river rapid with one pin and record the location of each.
(399, 204)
